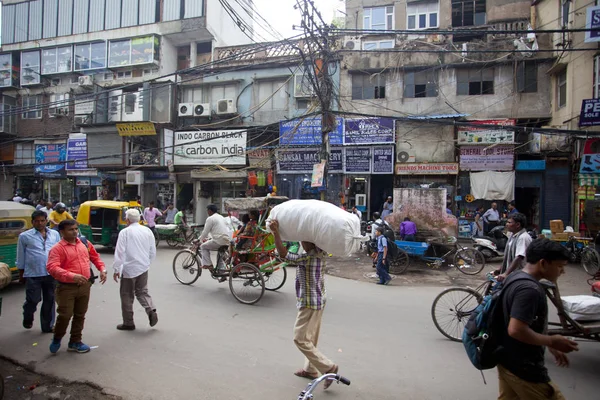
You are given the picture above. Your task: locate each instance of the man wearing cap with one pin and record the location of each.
(134, 253)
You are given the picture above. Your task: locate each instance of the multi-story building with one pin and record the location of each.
(95, 80)
(440, 68)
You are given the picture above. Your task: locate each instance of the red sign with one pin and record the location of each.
(427, 169)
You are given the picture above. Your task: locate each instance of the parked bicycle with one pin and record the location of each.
(176, 236)
(307, 393)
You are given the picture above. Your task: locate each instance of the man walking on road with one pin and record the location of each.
(516, 247)
(311, 295)
(134, 253)
(69, 264)
(32, 255)
(216, 227)
(150, 215)
(521, 370)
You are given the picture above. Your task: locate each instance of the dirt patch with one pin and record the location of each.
(20, 382)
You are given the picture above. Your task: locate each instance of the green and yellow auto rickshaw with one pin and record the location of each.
(101, 220)
(14, 219)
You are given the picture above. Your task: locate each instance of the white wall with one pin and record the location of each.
(222, 26)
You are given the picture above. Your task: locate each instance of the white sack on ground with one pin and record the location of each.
(492, 185)
(324, 224)
(582, 307)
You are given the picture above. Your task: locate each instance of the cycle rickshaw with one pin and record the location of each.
(249, 272)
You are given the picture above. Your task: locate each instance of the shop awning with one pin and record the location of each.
(589, 179)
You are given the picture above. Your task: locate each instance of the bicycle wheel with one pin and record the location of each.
(274, 277)
(186, 267)
(469, 261)
(174, 241)
(400, 263)
(590, 260)
(451, 310)
(246, 283)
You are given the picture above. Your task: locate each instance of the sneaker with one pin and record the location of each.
(123, 327)
(79, 347)
(54, 346)
(27, 324)
(153, 317)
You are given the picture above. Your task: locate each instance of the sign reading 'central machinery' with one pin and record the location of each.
(227, 147)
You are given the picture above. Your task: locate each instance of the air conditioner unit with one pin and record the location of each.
(86, 81)
(405, 156)
(134, 178)
(201, 110)
(302, 86)
(186, 109)
(82, 120)
(115, 106)
(226, 106)
(352, 43)
(58, 111)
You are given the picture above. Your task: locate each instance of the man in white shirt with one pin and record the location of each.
(377, 223)
(17, 198)
(134, 253)
(516, 247)
(216, 227)
(47, 208)
(233, 224)
(357, 212)
(491, 218)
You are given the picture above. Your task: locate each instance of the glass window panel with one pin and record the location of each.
(369, 45)
(422, 21)
(411, 22)
(98, 55)
(64, 59)
(378, 16)
(433, 20)
(49, 61)
(387, 44)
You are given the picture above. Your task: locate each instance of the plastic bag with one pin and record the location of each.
(327, 226)
(582, 308)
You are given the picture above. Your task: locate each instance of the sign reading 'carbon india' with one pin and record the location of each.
(227, 147)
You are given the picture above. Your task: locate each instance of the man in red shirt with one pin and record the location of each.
(69, 263)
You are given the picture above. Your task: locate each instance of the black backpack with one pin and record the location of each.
(92, 276)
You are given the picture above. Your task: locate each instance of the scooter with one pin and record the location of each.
(492, 245)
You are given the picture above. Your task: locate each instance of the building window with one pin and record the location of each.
(468, 13)
(194, 95)
(564, 12)
(32, 106)
(420, 84)
(272, 95)
(378, 18)
(422, 15)
(30, 67)
(124, 74)
(25, 153)
(59, 104)
(596, 77)
(366, 86)
(561, 89)
(526, 77)
(220, 92)
(474, 82)
(378, 45)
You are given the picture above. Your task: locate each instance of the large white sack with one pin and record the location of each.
(327, 226)
(582, 307)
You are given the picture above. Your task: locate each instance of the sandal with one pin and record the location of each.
(328, 382)
(303, 374)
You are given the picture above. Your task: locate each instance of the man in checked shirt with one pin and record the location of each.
(311, 295)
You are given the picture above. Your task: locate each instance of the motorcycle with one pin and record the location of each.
(494, 244)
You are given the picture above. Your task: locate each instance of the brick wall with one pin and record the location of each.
(47, 126)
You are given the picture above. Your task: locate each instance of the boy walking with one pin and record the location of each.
(382, 251)
(521, 370)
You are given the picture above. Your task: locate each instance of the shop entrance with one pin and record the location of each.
(527, 201)
(382, 186)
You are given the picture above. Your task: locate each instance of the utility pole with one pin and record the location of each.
(317, 61)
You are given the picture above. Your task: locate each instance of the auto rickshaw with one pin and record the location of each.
(101, 220)
(14, 219)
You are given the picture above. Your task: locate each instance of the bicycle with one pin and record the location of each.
(246, 282)
(452, 308)
(307, 393)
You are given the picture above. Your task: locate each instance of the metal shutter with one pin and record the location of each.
(147, 12)
(171, 10)
(65, 17)
(106, 145)
(21, 22)
(81, 11)
(528, 179)
(50, 18)
(35, 20)
(113, 14)
(557, 193)
(193, 8)
(97, 8)
(130, 13)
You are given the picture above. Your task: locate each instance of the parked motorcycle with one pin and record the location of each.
(494, 244)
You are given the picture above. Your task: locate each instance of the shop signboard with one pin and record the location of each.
(307, 132)
(491, 158)
(427, 169)
(590, 112)
(50, 159)
(383, 160)
(369, 131)
(224, 147)
(298, 161)
(474, 135)
(77, 153)
(136, 129)
(358, 160)
(592, 22)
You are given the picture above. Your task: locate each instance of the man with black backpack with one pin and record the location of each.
(521, 370)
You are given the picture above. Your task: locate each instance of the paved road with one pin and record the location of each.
(208, 346)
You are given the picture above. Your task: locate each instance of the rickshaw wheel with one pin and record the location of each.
(186, 267)
(400, 263)
(172, 242)
(275, 277)
(246, 283)
(590, 260)
(469, 261)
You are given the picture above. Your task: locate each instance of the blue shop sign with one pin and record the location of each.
(369, 131)
(592, 22)
(77, 154)
(307, 132)
(46, 155)
(292, 161)
(530, 165)
(590, 112)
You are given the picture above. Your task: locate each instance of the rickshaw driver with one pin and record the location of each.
(216, 227)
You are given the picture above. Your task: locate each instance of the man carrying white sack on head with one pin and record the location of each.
(311, 295)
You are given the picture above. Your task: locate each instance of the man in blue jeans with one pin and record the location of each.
(32, 254)
(382, 250)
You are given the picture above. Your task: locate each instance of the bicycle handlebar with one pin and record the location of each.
(307, 393)
(343, 380)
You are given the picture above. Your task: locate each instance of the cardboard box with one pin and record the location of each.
(557, 226)
(560, 236)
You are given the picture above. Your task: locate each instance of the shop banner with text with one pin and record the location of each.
(485, 135)
(307, 132)
(77, 153)
(46, 155)
(427, 169)
(297, 161)
(480, 158)
(383, 159)
(369, 131)
(226, 147)
(358, 160)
